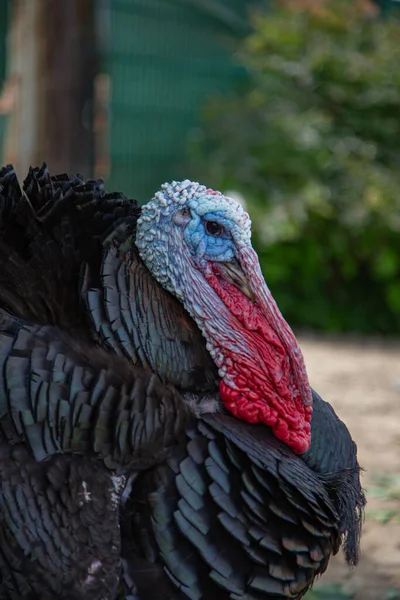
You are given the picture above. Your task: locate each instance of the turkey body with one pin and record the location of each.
(105, 385)
(233, 513)
(60, 527)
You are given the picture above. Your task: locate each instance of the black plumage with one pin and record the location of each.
(61, 396)
(68, 259)
(70, 387)
(59, 535)
(97, 361)
(234, 508)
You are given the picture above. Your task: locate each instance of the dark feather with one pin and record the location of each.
(59, 528)
(59, 395)
(337, 466)
(68, 259)
(236, 514)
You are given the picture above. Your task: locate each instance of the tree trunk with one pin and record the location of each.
(68, 72)
(52, 61)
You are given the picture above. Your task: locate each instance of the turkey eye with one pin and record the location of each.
(213, 228)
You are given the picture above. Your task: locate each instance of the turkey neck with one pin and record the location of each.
(263, 375)
(133, 315)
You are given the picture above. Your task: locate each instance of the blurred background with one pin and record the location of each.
(293, 108)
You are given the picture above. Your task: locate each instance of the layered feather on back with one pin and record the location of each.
(74, 388)
(68, 259)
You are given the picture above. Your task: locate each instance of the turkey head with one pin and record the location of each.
(197, 243)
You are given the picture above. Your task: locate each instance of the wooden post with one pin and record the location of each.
(20, 145)
(68, 72)
(53, 60)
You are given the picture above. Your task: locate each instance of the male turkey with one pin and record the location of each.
(110, 317)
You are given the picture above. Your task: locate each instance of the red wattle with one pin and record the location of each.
(258, 411)
(260, 386)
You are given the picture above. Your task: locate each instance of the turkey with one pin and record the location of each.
(143, 354)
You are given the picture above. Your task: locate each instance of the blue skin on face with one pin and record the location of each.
(205, 246)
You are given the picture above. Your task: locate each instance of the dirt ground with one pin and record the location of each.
(362, 382)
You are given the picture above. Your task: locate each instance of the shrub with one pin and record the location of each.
(313, 144)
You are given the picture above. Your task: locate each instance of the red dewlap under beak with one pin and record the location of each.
(257, 410)
(269, 383)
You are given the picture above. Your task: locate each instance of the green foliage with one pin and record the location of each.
(333, 591)
(313, 145)
(386, 487)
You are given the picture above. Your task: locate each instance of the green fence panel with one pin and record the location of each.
(165, 58)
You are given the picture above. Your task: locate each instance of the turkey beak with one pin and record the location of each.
(232, 273)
